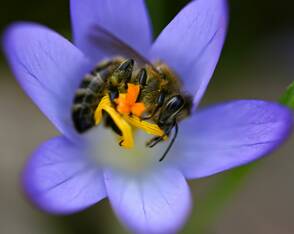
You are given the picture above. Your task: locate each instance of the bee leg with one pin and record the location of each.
(159, 103)
(118, 80)
(121, 77)
(155, 140)
(171, 142)
(142, 77)
(124, 72)
(126, 69)
(113, 94)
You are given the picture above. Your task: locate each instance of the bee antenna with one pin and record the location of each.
(171, 142)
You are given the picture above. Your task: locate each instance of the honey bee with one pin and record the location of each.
(160, 91)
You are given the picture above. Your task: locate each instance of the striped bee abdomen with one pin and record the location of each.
(88, 96)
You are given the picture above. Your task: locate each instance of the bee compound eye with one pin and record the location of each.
(175, 104)
(170, 109)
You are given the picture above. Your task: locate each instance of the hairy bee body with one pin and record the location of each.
(160, 86)
(89, 94)
(166, 104)
(160, 92)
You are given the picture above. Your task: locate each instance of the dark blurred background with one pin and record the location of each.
(257, 62)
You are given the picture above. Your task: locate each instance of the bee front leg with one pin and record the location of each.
(122, 74)
(119, 79)
(113, 94)
(155, 140)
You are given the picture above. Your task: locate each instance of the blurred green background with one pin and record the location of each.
(257, 62)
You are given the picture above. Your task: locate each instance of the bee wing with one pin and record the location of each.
(111, 44)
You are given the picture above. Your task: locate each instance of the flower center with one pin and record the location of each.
(127, 103)
(126, 96)
(124, 121)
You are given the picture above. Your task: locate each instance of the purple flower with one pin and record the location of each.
(70, 173)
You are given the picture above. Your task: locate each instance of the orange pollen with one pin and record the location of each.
(126, 102)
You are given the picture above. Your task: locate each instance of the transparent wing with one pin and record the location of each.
(113, 45)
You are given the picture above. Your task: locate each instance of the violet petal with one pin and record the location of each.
(158, 202)
(229, 135)
(49, 69)
(127, 20)
(192, 42)
(60, 179)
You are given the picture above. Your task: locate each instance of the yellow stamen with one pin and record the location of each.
(127, 140)
(124, 123)
(150, 128)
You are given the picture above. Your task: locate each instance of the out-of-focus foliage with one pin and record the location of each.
(288, 97)
(211, 206)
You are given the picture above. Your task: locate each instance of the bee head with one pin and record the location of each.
(170, 110)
